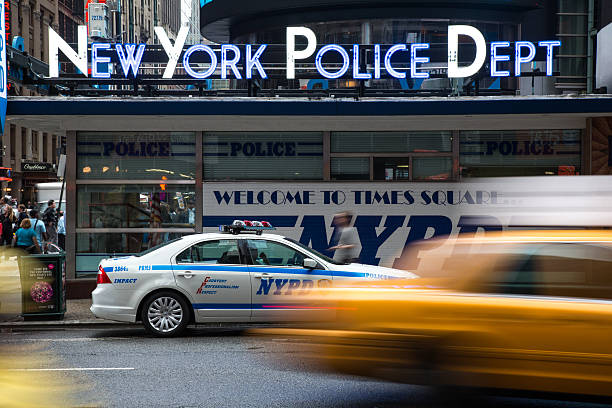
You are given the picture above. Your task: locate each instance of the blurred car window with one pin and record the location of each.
(546, 269)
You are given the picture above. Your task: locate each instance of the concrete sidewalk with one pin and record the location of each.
(77, 314)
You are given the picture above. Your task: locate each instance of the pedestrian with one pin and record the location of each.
(39, 228)
(22, 214)
(7, 220)
(61, 231)
(4, 202)
(25, 238)
(348, 247)
(50, 219)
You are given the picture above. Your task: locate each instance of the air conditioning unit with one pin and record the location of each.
(96, 33)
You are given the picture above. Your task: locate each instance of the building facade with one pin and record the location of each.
(31, 151)
(575, 23)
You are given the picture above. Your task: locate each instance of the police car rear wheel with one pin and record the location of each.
(165, 314)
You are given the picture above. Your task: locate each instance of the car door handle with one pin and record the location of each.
(264, 276)
(186, 274)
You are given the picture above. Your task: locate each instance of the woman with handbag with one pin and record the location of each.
(25, 238)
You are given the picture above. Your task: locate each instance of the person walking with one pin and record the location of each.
(61, 231)
(7, 220)
(22, 214)
(39, 228)
(348, 247)
(50, 219)
(25, 238)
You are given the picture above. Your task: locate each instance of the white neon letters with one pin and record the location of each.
(549, 45)
(292, 53)
(454, 70)
(230, 63)
(128, 60)
(173, 51)
(213, 61)
(345, 61)
(519, 59)
(95, 60)
(253, 61)
(367, 61)
(388, 66)
(498, 58)
(414, 60)
(79, 59)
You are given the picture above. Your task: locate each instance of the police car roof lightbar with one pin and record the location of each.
(238, 226)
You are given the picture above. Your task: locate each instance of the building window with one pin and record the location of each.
(45, 152)
(137, 155)
(13, 142)
(520, 153)
(391, 156)
(136, 206)
(263, 156)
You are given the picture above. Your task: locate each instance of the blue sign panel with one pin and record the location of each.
(3, 68)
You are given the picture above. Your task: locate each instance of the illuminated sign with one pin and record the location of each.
(3, 66)
(6, 174)
(231, 61)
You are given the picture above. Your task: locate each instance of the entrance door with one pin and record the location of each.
(217, 279)
(280, 282)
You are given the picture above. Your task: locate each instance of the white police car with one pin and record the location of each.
(220, 277)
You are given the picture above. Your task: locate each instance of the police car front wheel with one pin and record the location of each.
(165, 314)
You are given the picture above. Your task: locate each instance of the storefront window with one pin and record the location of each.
(520, 153)
(263, 156)
(136, 155)
(432, 168)
(136, 206)
(350, 168)
(392, 168)
(391, 142)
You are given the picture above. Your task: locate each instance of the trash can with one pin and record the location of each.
(43, 289)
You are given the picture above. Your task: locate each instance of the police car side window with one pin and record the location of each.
(271, 253)
(219, 252)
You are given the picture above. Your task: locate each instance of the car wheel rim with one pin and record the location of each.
(165, 314)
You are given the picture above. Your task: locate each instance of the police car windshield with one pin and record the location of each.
(317, 253)
(156, 247)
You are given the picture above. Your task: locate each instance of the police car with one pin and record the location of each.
(230, 276)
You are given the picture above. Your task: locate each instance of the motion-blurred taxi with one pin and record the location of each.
(525, 310)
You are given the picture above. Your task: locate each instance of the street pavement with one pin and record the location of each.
(209, 367)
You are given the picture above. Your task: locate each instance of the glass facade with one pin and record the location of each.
(134, 209)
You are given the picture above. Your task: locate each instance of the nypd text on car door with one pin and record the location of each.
(216, 278)
(279, 279)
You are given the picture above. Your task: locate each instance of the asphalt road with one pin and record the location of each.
(213, 368)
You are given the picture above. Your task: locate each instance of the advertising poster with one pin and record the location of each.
(40, 290)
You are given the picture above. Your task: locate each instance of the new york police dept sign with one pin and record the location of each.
(230, 62)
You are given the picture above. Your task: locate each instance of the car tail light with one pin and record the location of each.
(102, 276)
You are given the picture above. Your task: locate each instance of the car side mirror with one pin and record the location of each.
(310, 263)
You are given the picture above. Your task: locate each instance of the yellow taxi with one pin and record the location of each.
(528, 310)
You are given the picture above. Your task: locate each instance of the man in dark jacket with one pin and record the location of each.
(50, 219)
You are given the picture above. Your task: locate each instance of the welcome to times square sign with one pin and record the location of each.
(231, 62)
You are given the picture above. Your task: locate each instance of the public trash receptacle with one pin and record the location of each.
(43, 291)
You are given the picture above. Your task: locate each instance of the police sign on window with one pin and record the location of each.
(136, 155)
(516, 153)
(263, 156)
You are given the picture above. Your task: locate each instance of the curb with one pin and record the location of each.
(64, 324)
